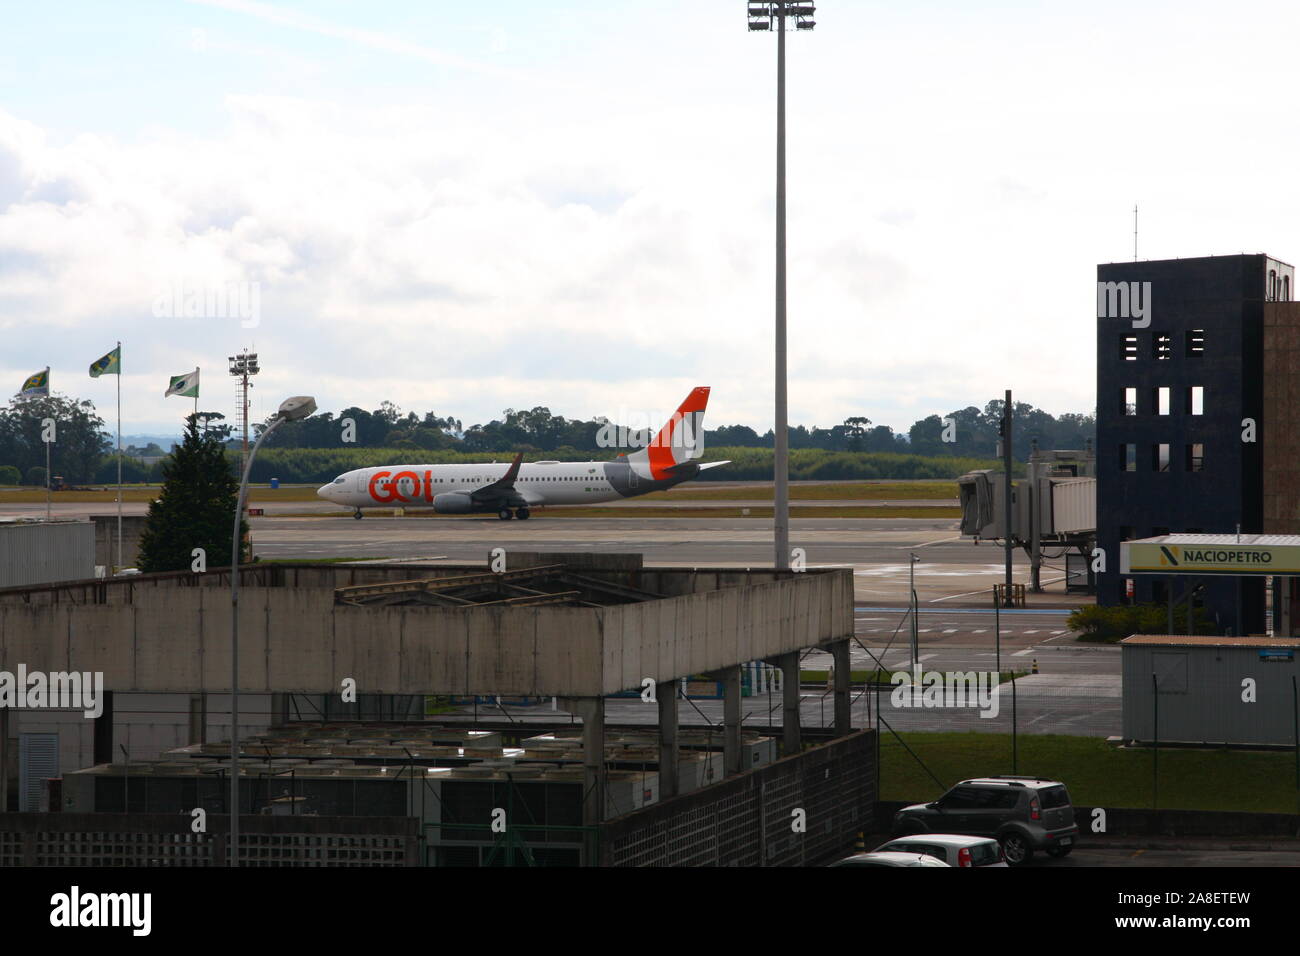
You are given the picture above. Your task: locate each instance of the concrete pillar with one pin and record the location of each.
(279, 709)
(791, 738)
(843, 713)
(666, 691)
(198, 718)
(592, 712)
(4, 759)
(104, 731)
(731, 758)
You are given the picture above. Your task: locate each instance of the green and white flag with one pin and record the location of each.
(38, 384)
(186, 386)
(110, 364)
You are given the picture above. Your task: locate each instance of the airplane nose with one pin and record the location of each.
(323, 492)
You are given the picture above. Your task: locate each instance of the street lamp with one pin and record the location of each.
(291, 409)
(911, 591)
(767, 17)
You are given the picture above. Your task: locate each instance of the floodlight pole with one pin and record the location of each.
(781, 456)
(765, 16)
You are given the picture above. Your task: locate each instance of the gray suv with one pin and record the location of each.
(1022, 813)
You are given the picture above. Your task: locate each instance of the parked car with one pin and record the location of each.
(1023, 813)
(889, 859)
(954, 849)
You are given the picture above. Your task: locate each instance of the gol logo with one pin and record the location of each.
(403, 486)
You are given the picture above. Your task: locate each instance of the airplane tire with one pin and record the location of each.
(358, 514)
(522, 514)
(504, 514)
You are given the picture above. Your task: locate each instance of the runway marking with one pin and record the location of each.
(980, 630)
(926, 544)
(1031, 632)
(1025, 652)
(1058, 632)
(950, 630)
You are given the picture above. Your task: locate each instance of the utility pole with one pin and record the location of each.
(1035, 475)
(773, 16)
(1006, 498)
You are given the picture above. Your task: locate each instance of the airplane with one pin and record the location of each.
(513, 490)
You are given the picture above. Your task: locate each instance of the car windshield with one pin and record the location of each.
(1054, 797)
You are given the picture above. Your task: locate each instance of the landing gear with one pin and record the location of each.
(522, 514)
(357, 514)
(504, 514)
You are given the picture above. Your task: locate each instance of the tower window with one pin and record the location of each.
(1128, 401)
(1195, 343)
(1162, 346)
(1160, 457)
(1195, 457)
(1128, 348)
(1194, 400)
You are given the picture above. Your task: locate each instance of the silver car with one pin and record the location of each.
(890, 859)
(957, 851)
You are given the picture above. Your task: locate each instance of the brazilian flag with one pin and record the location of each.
(110, 364)
(38, 384)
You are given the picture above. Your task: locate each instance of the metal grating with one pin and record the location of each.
(746, 820)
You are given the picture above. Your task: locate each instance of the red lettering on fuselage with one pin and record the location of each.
(384, 494)
(428, 486)
(397, 485)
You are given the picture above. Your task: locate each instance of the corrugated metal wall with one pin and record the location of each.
(1201, 695)
(34, 552)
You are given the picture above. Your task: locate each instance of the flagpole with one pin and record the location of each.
(47, 452)
(119, 455)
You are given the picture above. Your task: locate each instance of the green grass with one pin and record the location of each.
(837, 491)
(378, 557)
(598, 511)
(1096, 773)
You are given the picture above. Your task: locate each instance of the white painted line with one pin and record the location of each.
(1031, 632)
(1058, 632)
(1024, 653)
(950, 630)
(926, 657)
(980, 630)
(926, 544)
(953, 597)
(919, 630)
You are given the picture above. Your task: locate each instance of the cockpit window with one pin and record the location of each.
(338, 481)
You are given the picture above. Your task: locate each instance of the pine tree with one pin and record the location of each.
(195, 508)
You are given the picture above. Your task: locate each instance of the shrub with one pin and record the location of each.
(1111, 624)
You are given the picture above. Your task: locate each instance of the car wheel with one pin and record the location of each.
(1059, 851)
(1016, 849)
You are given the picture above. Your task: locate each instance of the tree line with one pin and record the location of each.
(324, 445)
(963, 433)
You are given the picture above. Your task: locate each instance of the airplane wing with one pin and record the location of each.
(503, 489)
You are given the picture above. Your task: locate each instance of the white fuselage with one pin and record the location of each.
(416, 486)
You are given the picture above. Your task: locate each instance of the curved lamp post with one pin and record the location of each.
(291, 409)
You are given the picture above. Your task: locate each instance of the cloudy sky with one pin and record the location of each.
(464, 207)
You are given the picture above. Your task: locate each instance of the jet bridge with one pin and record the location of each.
(1054, 506)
